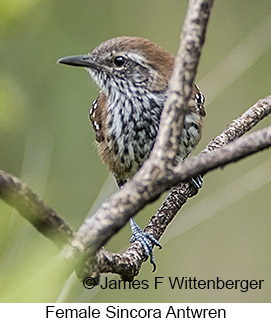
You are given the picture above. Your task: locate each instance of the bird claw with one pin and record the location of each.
(196, 181)
(146, 240)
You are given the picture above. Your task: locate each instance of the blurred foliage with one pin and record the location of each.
(47, 141)
(11, 12)
(13, 105)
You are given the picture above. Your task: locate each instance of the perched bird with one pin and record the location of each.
(133, 74)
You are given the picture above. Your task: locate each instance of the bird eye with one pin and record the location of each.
(119, 61)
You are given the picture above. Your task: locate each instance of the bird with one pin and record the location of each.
(133, 76)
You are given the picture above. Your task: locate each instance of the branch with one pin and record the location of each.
(212, 156)
(44, 219)
(179, 195)
(186, 62)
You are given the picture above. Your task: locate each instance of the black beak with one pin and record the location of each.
(83, 60)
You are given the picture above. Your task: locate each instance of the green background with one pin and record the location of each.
(46, 140)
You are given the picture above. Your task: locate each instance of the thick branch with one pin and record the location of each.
(180, 86)
(240, 148)
(179, 194)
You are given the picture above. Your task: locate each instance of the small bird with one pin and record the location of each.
(133, 74)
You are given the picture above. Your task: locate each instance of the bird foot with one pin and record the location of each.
(146, 240)
(196, 181)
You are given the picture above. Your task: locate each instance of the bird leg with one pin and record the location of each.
(146, 239)
(196, 181)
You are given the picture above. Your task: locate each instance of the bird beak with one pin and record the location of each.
(83, 60)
